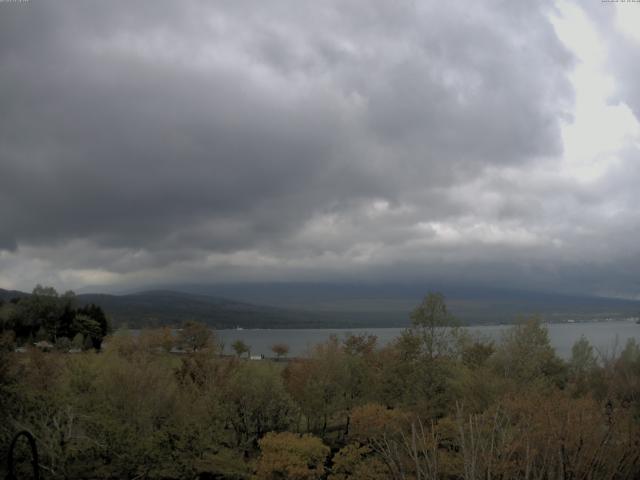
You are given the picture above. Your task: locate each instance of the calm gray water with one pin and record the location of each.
(607, 337)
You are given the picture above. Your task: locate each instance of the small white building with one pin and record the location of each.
(44, 345)
(178, 351)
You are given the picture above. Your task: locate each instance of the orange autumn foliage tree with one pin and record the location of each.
(357, 462)
(291, 456)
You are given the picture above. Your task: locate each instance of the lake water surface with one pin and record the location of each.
(606, 337)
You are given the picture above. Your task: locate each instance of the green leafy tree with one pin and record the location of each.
(42, 311)
(255, 401)
(526, 354)
(583, 366)
(78, 341)
(583, 359)
(475, 352)
(89, 328)
(96, 313)
(240, 348)
(435, 326)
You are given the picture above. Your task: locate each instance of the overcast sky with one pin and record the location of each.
(150, 141)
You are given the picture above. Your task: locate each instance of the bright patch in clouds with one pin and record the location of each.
(627, 20)
(478, 233)
(599, 129)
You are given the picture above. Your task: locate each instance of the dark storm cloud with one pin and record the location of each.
(138, 136)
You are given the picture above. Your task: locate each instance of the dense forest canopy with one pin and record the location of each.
(437, 403)
(46, 316)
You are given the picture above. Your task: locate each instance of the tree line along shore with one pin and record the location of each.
(436, 403)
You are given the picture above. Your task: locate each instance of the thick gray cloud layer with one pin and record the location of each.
(152, 141)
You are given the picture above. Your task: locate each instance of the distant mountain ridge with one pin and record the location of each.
(6, 295)
(337, 306)
(166, 307)
(391, 304)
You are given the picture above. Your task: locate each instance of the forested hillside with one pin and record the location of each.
(163, 307)
(169, 308)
